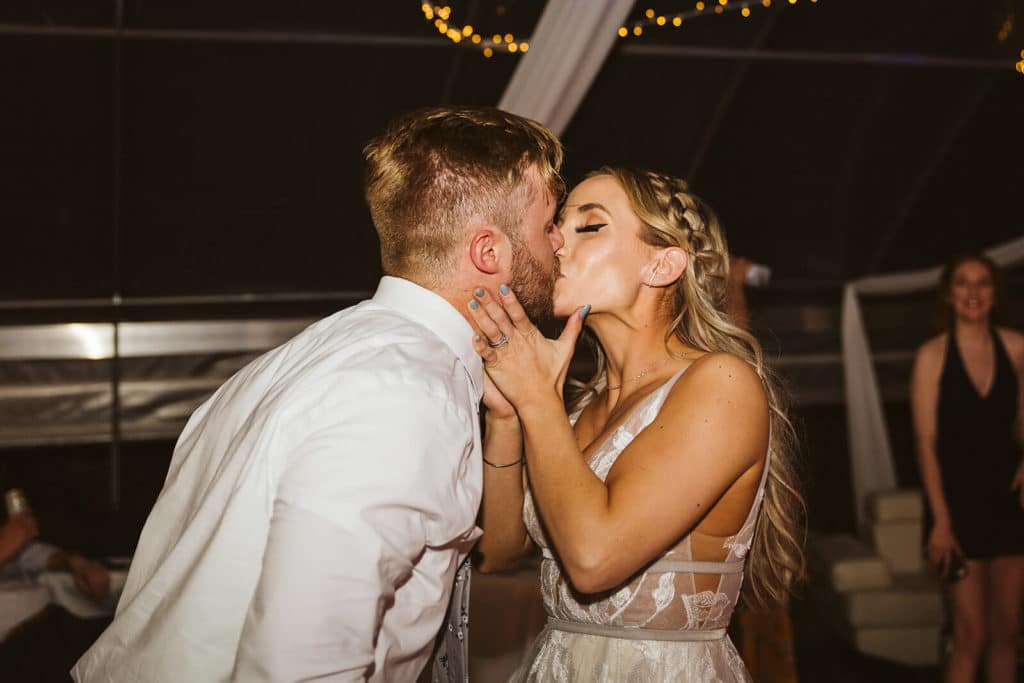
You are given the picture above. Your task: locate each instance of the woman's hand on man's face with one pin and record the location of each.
(520, 361)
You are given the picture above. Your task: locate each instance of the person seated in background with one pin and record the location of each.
(40, 640)
(22, 556)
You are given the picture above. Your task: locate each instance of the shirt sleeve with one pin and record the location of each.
(354, 509)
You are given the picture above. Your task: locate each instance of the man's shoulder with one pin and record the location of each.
(371, 347)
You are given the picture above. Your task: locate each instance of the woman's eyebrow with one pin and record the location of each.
(583, 208)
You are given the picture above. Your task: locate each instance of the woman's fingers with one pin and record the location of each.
(574, 325)
(486, 352)
(495, 308)
(485, 317)
(515, 310)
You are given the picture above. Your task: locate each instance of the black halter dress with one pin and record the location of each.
(978, 455)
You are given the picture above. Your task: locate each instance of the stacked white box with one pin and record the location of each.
(883, 600)
(895, 519)
(848, 564)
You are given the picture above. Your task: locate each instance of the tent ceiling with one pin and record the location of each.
(217, 162)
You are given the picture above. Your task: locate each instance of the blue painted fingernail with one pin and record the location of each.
(584, 311)
(504, 290)
(479, 292)
(474, 305)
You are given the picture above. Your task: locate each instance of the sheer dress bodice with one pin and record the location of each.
(671, 594)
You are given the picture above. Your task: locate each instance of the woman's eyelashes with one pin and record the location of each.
(592, 227)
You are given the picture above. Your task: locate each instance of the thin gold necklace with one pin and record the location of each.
(640, 375)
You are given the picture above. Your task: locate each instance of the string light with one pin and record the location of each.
(744, 7)
(441, 17)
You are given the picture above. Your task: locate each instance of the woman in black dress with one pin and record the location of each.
(966, 397)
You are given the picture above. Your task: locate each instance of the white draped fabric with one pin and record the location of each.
(567, 49)
(871, 460)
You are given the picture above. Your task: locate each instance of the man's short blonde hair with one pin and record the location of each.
(436, 169)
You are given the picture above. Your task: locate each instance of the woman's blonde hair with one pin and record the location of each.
(674, 217)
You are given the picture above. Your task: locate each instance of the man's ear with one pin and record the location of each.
(485, 246)
(666, 267)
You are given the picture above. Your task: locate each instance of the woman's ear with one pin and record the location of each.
(667, 267)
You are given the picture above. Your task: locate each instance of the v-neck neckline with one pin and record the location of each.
(629, 416)
(967, 375)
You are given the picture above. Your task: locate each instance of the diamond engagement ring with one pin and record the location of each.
(500, 342)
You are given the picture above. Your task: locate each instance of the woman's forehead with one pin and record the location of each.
(601, 190)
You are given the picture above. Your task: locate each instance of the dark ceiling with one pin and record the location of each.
(209, 148)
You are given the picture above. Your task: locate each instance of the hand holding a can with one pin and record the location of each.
(19, 530)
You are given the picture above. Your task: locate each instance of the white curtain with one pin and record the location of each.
(567, 49)
(871, 461)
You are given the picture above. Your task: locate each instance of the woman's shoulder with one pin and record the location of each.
(1013, 341)
(932, 350)
(721, 373)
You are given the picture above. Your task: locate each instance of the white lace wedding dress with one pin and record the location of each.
(657, 626)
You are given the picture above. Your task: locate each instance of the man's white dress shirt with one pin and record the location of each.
(315, 511)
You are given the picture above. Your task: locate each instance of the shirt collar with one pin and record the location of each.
(429, 309)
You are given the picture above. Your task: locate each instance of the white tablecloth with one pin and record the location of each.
(23, 598)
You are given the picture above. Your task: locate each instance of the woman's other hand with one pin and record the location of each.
(498, 407)
(941, 546)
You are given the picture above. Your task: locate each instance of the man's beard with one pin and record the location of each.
(533, 285)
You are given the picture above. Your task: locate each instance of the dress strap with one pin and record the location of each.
(633, 633)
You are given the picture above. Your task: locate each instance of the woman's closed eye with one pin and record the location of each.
(593, 227)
